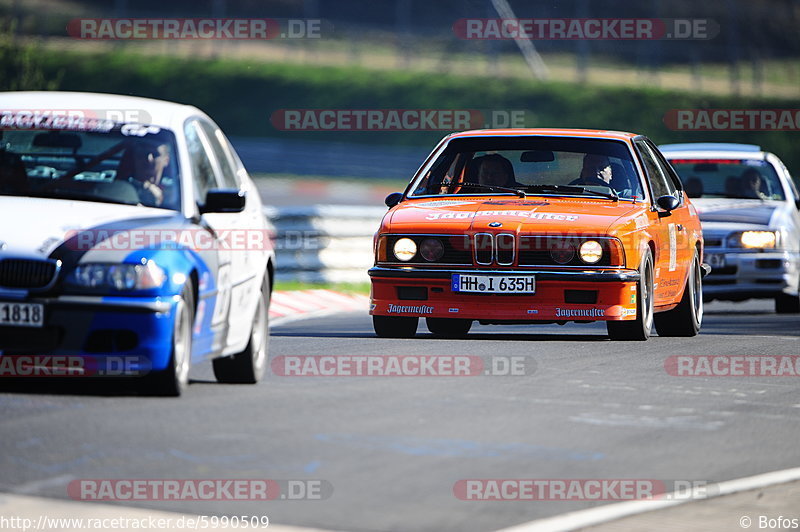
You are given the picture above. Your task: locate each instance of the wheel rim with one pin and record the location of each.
(180, 354)
(698, 292)
(259, 337)
(647, 297)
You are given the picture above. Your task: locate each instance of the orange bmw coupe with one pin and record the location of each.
(524, 226)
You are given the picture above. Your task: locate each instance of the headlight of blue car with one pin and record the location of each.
(120, 277)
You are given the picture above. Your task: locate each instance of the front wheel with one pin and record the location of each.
(395, 326)
(638, 329)
(685, 319)
(788, 304)
(173, 380)
(248, 366)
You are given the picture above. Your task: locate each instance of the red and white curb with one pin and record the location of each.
(291, 305)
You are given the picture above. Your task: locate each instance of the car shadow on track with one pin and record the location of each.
(499, 336)
(77, 386)
(737, 322)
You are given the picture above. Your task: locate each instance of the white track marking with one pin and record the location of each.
(612, 512)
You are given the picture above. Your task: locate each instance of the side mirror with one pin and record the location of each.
(224, 200)
(668, 203)
(393, 199)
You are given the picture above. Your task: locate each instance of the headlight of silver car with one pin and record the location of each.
(757, 239)
(121, 277)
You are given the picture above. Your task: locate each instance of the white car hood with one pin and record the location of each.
(736, 211)
(34, 227)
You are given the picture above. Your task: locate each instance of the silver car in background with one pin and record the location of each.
(748, 206)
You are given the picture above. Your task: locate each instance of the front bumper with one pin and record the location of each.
(561, 296)
(747, 275)
(131, 334)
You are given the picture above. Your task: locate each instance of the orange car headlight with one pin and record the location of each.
(591, 252)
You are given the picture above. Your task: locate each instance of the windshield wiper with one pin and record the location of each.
(574, 189)
(516, 191)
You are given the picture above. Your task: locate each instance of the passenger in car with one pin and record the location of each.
(623, 183)
(495, 170)
(596, 171)
(145, 165)
(751, 184)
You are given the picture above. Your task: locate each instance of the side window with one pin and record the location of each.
(202, 169)
(222, 156)
(789, 180)
(655, 176)
(792, 186)
(673, 181)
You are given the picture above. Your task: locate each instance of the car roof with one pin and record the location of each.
(709, 146)
(555, 132)
(158, 112)
(713, 150)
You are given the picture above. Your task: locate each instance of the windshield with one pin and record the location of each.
(532, 164)
(729, 178)
(95, 160)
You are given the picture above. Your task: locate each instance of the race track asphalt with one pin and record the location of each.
(392, 448)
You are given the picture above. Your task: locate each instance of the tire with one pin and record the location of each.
(173, 380)
(787, 304)
(686, 319)
(448, 327)
(248, 366)
(638, 329)
(395, 326)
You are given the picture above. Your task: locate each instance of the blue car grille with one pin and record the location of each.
(27, 273)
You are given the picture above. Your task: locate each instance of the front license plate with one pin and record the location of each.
(494, 284)
(21, 314)
(715, 260)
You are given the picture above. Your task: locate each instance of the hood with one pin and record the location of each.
(532, 214)
(35, 227)
(738, 211)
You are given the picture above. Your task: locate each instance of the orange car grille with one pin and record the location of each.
(503, 249)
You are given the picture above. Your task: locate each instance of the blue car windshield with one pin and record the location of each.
(89, 160)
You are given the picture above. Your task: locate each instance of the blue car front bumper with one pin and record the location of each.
(133, 335)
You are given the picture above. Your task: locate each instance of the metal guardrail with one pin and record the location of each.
(324, 243)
